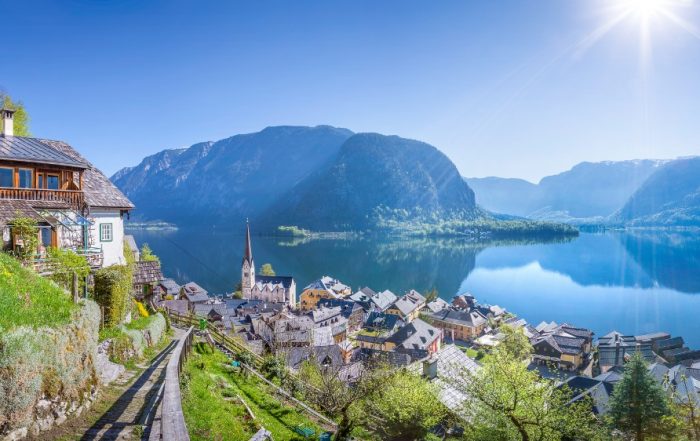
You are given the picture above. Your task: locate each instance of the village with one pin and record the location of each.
(75, 208)
(344, 328)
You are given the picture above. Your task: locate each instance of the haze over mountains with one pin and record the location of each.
(315, 177)
(328, 179)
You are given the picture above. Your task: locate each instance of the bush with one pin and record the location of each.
(66, 263)
(26, 230)
(112, 291)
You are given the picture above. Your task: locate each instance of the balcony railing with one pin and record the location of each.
(75, 198)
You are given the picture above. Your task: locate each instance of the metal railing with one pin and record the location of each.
(172, 420)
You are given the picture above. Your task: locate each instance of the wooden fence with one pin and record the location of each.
(172, 420)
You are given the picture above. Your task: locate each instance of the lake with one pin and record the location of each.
(634, 282)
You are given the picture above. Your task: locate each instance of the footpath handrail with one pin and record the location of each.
(172, 420)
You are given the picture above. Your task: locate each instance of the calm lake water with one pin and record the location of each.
(634, 282)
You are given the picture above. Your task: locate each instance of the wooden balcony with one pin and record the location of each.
(75, 198)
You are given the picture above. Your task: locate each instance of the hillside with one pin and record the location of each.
(228, 180)
(588, 190)
(375, 175)
(670, 197)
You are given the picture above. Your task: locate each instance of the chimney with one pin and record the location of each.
(7, 117)
(430, 368)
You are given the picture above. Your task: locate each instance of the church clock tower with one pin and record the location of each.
(248, 266)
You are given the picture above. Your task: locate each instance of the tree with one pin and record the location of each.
(147, 254)
(400, 405)
(266, 270)
(639, 407)
(508, 401)
(21, 118)
(325, 388)
(686, 410)
(431, 296)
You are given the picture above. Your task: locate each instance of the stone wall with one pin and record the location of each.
(47, 374)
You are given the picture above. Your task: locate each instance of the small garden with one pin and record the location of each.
(211, 388)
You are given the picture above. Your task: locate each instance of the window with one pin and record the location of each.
(26, 178)
(40, 180)
(52, 182)
(105, 232)
(6, 177)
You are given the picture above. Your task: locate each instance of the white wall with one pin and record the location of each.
(113, 250)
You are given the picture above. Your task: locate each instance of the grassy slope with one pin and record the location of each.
(28, 299)
(210, 416)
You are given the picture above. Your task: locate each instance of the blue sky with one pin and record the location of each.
(500, 86)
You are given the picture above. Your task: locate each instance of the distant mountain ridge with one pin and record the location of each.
(324, 178)
(589, 191)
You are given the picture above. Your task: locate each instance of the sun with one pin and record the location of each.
(646, 8)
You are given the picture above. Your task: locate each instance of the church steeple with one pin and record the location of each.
(247, 266)
(248, 250)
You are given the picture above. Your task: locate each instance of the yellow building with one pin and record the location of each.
(324, 288)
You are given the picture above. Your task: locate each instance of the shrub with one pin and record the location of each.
(112, 291)
(147, 254)
(143, 312)
(66, 263)
(26, 230)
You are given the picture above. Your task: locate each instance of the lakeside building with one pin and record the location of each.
(352, 311)
(562, 346)
(614, 349)
(273, 289)
(74, 203)
(324, 288)
(408, 306)
(458, 324)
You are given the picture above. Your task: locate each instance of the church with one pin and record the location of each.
(272, 289)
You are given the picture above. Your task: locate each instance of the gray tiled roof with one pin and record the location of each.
(99, 190)
(147, 272)
(325, 355)
(415, 335)
(19, 148)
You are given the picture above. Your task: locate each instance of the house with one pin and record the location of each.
(324, 288)
(363, 298)
(327, 356)
(168, 289)
(377, 328)
(417, 339)
(464, 301)
(284, 330)
(614, 349)
(562, 346)
(437, 305)
(383, 300)
(352, 311)
(146, 277)
(333, 318)
(194, 293)
(75, 204)
(596, 391)
(448, 369)
(273, 289)
(181, 307)
(408, 307)
(458, 324)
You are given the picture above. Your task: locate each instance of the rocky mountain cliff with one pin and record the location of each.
(216, 183)
(376, 175)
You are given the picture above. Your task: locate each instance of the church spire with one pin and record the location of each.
(248, 251)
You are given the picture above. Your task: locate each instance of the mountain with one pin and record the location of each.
(374, 173)
(588, 190)
(670, 197)
(225, 181)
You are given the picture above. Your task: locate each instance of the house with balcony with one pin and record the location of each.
(74, 203)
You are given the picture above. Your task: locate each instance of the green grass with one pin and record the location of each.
(28, 299)
(209, 415)
(140, 323)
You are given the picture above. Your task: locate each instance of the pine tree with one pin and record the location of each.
(639, 406)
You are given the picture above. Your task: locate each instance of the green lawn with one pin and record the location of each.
(28, 299)
(213, 411)
(140, 323)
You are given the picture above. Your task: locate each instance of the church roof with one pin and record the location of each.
(285, 281)
(248, 250)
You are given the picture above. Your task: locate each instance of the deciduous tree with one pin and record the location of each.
(21, 118)
(266, 270)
